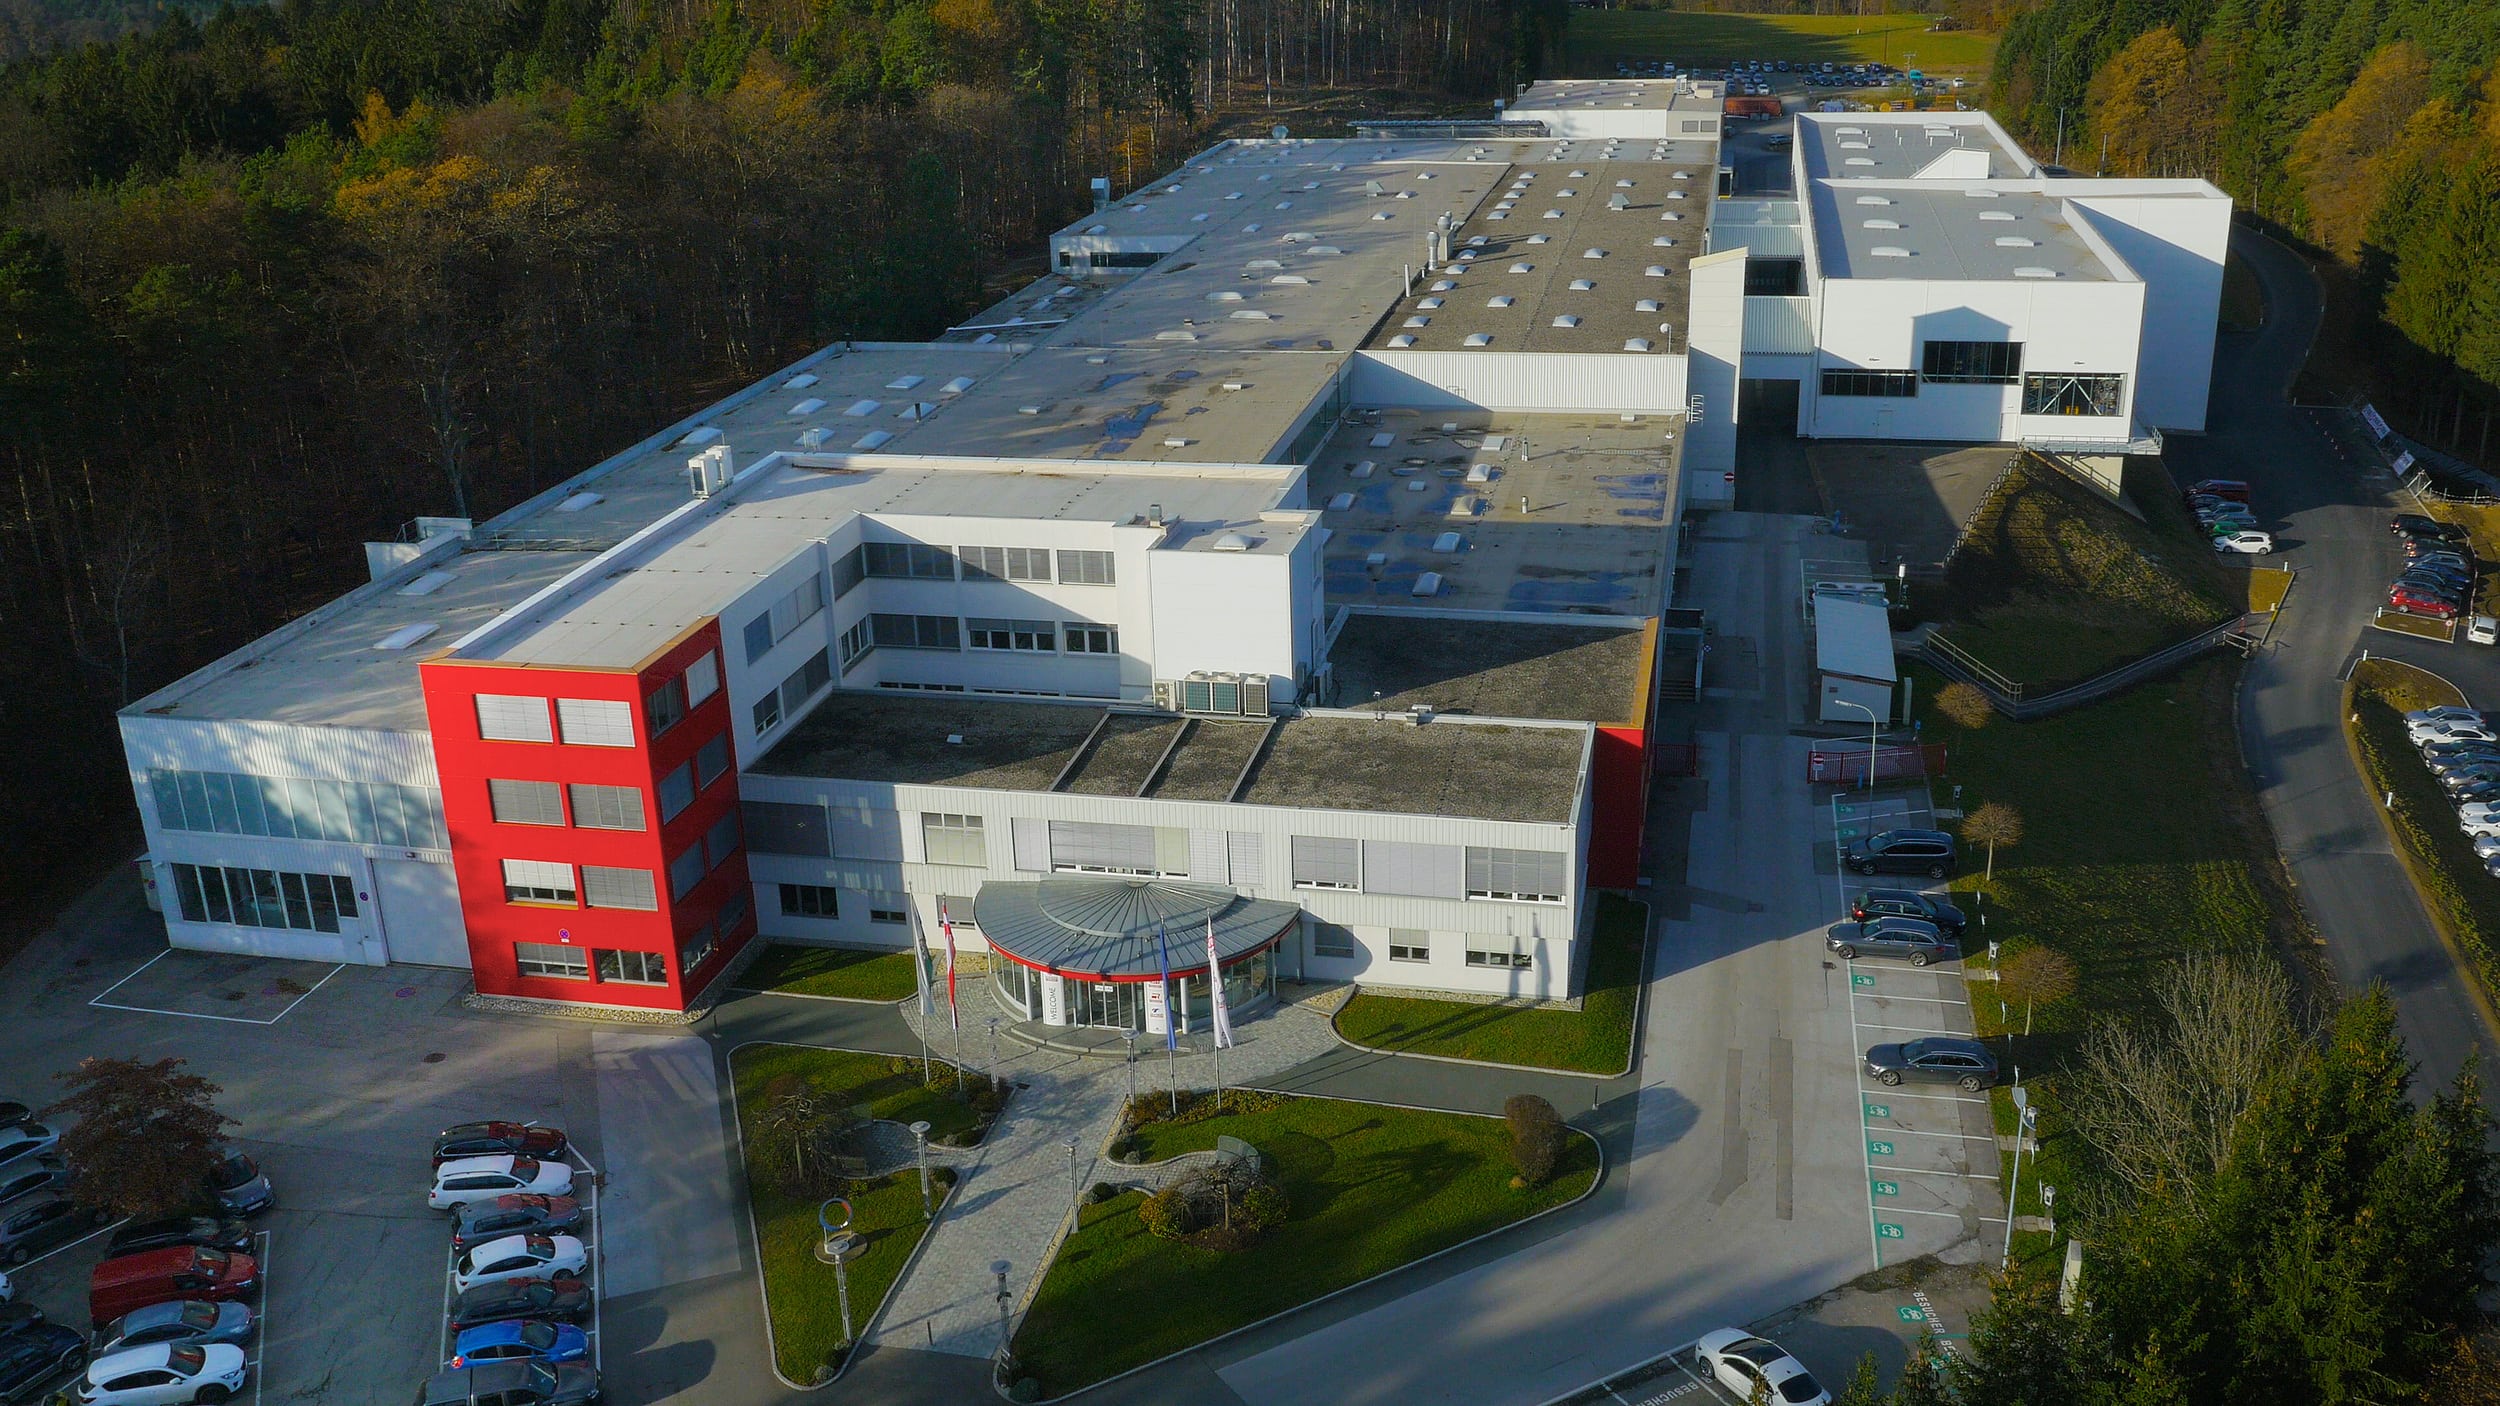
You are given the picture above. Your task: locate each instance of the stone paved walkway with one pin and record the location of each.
(1017, 1187)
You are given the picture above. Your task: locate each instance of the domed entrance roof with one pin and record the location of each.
(1104, 928)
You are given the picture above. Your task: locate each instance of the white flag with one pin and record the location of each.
(919, 961)
(1215, 993)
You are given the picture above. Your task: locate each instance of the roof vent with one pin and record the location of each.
(1583, 285)
(425, 585)
(862, 408)
(1566, 320)
(1428, 304)
(1540, 239)
(1654, 271)
(1479, 339)
(1500, 300)
(1997, 216)
(2016, 241)
(405, 635)
(1883, 224)
(1231, 542)
(799, 382)
(1889, 251)
(700, 434)
(808, 406)
(1592, 253)
(956, 386)
(2034, 271)
(904, 383)
(1636, 344)
(1401, 341)
(874, 439)
(1646, 305)
(1874, 200)
(581, 500)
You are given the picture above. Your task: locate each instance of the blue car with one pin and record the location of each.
(519, 1338)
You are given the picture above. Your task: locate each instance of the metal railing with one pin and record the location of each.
(2019, 703)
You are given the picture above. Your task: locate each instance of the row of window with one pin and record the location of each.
(294, 808)
(544, 802)
(825, 901)
(564, 885)
(580, 722)
(813, 676)
(1971, 363)
(263, 898)
(915, 561)
(577, 963)
(1430, 871)
(2044, 393)
(666, 706)
(946, 632)
(802, 604)
(1415, 945)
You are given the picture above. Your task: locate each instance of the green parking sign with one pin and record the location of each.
(1887, 1188)
(1878, 1148)
(1910, 1313)
(1885, 1229)
(1879, 1110)
(1860, 979)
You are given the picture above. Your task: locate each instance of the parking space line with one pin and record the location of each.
(324, 981)
(260, 1343)
(1709, 1388)
(1931, 1098)
(1913, 1029)
(125, 981)
(1888, 996)
(1943, 1215)
(102, 1004)
(71, 1245)
(1933, 1172)
(1966, 1137)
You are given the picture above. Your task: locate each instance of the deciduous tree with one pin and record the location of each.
(2341, 157)
(1993, 824)
(141, 1136)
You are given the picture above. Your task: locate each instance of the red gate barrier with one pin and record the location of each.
(1841, 764)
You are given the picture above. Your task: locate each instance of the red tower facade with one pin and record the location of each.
(594, 827)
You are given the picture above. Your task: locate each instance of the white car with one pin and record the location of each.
(147, 1376)
(466, 1179)
(2487, 848)
(26, 1140)
(2483, 629)
(1739, 1361)
(2479, 810)
(2424, 734)
(2444, 713)
(2255, 544)
(519, 1257)
(2478, 828)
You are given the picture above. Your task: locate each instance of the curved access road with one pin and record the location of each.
(2331, 525)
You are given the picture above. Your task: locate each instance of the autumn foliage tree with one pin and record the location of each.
(142, 1137)
(2341, 159)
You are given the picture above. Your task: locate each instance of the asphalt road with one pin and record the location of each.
(2331, 524)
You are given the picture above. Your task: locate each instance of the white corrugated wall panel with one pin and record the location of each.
(1540, 382)
(279, 749)
(1210, 861)
(1779, 326)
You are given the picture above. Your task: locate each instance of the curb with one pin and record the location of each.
(737, 1126)
(1632, 1054)
(1595, 1181)
(812, 996)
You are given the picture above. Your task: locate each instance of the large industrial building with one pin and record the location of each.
(1286, 566)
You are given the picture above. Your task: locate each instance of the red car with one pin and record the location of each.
(499, 1139)
(2411, 604)
(2230, 488)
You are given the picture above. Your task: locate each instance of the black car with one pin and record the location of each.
(231, 1236)
(1934, 1059)
(1928, 852)
(26, 1178)
(13, 1112)
(499, 1139)
(2416, 525)
(1914, 938)
(16, 1318)
(519, 1382)
(1908, 903)
(522, 1213)
(33, 1358)
(39, 1223)
(563, 1298)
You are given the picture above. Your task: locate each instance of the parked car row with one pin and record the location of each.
(517, 1273)
(2222, 509)
(2461, 746)
(165, 1301)
(2439, 573)
(1919, 928)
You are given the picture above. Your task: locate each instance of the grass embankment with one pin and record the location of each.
(798, 1289)
(1691, 37)
(2463, 899)
(2143, 844)
(1596, 1039)
(1372, 1187)
(2053, 585)
(848, 973)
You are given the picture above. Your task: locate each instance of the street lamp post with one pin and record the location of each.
(1873, 723)
(999, 1268)
(2048, 1203)
(1132, 1068)
(2022, 1133)
(920, 1144)
(993, 1048)
(1075, 1198)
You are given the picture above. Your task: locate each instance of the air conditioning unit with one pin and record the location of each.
(1168, 695)
(1215, 695)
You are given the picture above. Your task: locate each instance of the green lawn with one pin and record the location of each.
(2053, 585)
(2141, 844)
(1373, 1188)
(1596, 1039)
(846, 972)
(1692, 37)
(799, 1291)
(2460, 894)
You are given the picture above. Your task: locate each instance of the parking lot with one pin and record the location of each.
(1930, 1151)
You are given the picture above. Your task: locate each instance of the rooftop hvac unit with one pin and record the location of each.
(1216, 695)
(709, 472)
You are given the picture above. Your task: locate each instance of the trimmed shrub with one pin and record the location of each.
(1536, 1137)
(1100, 1192)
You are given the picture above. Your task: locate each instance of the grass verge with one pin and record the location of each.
(1595, 1039)
(1373, 1188)
(2052, 585)
(845, 972)
(798, 1290)
(2142, 844)
(1599, 37)
(2463, 899)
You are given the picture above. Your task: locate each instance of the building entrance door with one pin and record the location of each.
(1113, 1004)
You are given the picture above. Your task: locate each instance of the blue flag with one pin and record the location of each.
(1171, 1015)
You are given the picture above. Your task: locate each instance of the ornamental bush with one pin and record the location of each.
(1536, 1137)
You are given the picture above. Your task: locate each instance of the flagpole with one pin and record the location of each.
(920, 974)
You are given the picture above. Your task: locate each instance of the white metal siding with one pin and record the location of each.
(1544, 383)
(1779, 326)
(862, 831)
(1245, 859)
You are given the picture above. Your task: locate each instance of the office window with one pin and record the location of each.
(2056, 393)
(855, 644)
(262, 898)
(1419, 871)
(908, 560)
(676, 792)
(847, 573)
(721, 841)
(887, 915)
(1971, 363)
(1890, 384)
(352, 812)
(664, 707)
(1032, 636)
(1410, 945)
(685, 871)
(1112, 849)
(1522, 875)
(504, 717)
(1005, 563)
(710, 760)
(606, 807)
(1332, 940)
(632, 968)
(1085, 568)
(810, 901)
(787, 614)
(1320, 863)
(953, 839)
(781, 827)
(702, 679)
(595, 722)
(805, 682)
(696, 947)
(916, 631)
(1497, 950)
(525, 802)
(551, 959)
(1083, 638)
(758, 636)
(766, 712)
(537, 881)
(605, 887)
